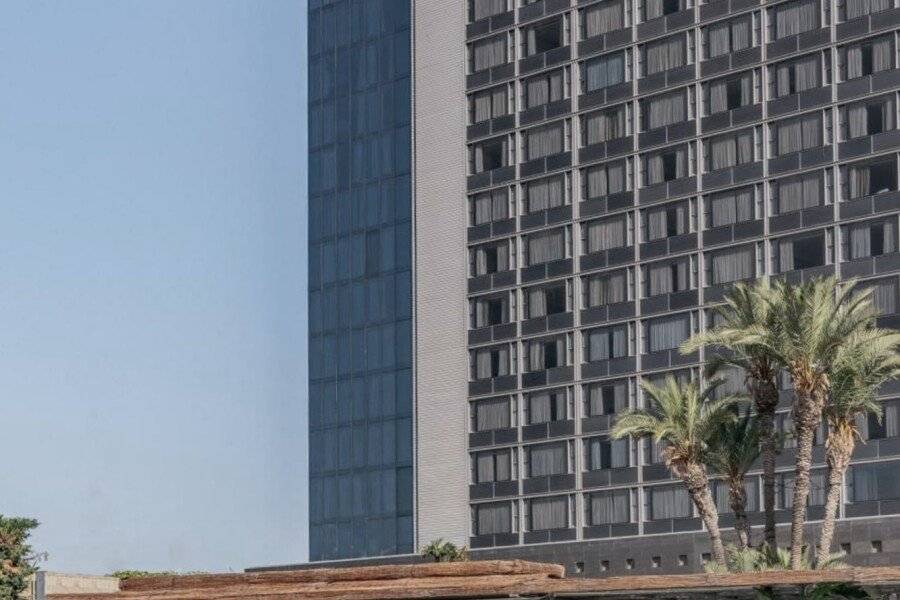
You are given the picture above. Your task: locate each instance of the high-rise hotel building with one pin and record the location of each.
(519, 209)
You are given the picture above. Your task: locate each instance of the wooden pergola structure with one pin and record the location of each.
(479, 580)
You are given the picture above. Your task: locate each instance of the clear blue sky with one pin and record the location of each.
(153, 280)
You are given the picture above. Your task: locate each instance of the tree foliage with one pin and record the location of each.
(444, 551)
(17, 560)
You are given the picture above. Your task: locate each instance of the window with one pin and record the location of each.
(547, 353)
(667, 333)
(604, 180)
(605, 289)
(490, 206)
(491, 362)
(784, 489)
(854, 9)
(490, 155)
(491, 414)
(654, 9)
(801, 253)
(546, 300)
(870, 239)
(800, 133)
(543, 194)
(795, 76)
(543, 460)
(666, 221)
(869, 118)
(606, 234)
(606, 343)
(603, 72)
(668, 502)
(870, 178)
(884, 295)
(665, 165)
(796, 193)
(606, 398)
(489, 53)
(548, 513)
(723, 500)
(729, 93)
(606, 508)
(603, 453)
(490, 258)
(733, 382)
(665, 54)
(492, 466)
(784, 425)
(667, 277)
(492, 518)
(544, 407)
(792, 18)
(545, 88)
(664, 110)
(488, 104)
(729, 36)
(603, 126)
(866, 58)
(728, 208)
(546, 246)
(883, 425)
(603, 18)
(493, 310)
(545, 141)
(730, 150)
(544, 36)
(876, 481)
(482, 9)
(732, 264)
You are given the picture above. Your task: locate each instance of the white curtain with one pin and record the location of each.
(605, 454)
(882, 54)
(718, 92)
(884, 296)
(603, 18)
(489, 53)
(730, 150)
(610, 342)
(548, 459)
(729, 36)
(785, 256)
(655, 165)
(665, 54)
(491, 206)
(493, 518)
(607, 398)
(490, 259)
(544, 89)
(864, 119)
(610, 507)
(546, 354)
(491, 362)
(861, 238)
(492, 466)
(607, 289)
(607, 234)
(497, 153)
(549, 513)
(546, 246)
(604, 180)
(487, 8)
(669, 502)
(537, 303)
(797, 76)
(604, 71)
(797, 193)
(490, 103)
(661, 220)
(733, 264)
(492, 414)
(546, 406)
(546, 140)
(733, 206)
(667, 277)
(604, 126)
(861, 8)
(667, 109)
(796, 17)
(545, 193)
(667, 333)
(798, 134)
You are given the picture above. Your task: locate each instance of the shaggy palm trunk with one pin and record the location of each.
(765, 395)
(698, 488)
(837, 456)
(807, 415)
(738, 496)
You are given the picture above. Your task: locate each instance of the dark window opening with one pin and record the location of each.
(555, 298)
(670, 166)
(495, 363)
(809, 252)
(490, 259)
(733, 89)
(672, 226)
(544, 37)
(671, 6)
(551, 356)
(673, 273)
(881, 177)
(874, 119)
(491, 155)
(867, 65)
(876, 240)
(495, 311)
(609, 399)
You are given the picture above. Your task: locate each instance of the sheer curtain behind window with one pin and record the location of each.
(603, 18)
(799, 134)
(655, 165)
(547, 246)
(882, 55)
(785, 256)
(604, 126)
(544, 89)
(665, 54)
(606, 454)
(730, 36)
(549, 513)
(667, 277)
(607, 343)
(490, 103)
(491, 206)
(860, 115)
(861, 238)
(667, 333)
(861, 8)
(796, 17)
(733, 206)
(489, 53)
(545, 141)
(664, 110)
(482, 9)
(669, 502)
(797, 76)
(545, 193)
(658, 221)
(548, 459)
(604, 180)
(610, 507)
(619, 391)
(730, 150)
(605, 235)
(718, 92)
(607, 289)
(604, 72)
(494, 518)
(796, 193)
(492, 414)
(733, 265)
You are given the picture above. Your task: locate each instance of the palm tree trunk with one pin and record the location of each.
(805, 435)
(837, 456)
(766, 399)
(698, 488)
(738, 497)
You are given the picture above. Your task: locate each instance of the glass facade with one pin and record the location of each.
(360, 296)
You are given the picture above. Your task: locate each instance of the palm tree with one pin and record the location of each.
(750, 309)
(813, 321)
(684, 419)
(733, 450)
(862, 365)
